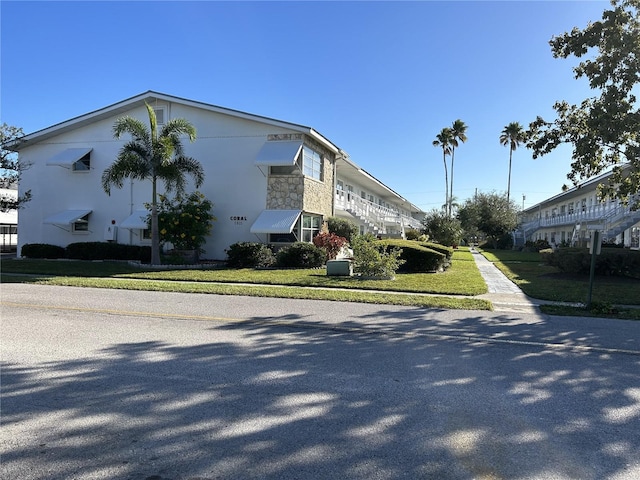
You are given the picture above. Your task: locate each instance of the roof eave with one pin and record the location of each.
(137, 100)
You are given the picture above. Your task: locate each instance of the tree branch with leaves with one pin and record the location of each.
(604, 130)
(11, 168)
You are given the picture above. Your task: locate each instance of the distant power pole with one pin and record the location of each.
(523, 199)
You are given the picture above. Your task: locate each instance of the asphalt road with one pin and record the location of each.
(106, 384)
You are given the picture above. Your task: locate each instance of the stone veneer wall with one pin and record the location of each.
(297, 192)
(285, 192)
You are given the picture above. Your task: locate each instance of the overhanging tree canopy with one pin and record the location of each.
(605, 129)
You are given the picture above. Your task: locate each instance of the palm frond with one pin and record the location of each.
(133, 127)
(177, 127)
(153, 122)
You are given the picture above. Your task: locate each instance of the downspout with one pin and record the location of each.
(335, 183)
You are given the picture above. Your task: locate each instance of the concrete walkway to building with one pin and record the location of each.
(503, 293)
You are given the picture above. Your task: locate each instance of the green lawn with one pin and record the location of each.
(463, 278)
(544, 282)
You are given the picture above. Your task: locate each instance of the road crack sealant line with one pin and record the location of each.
(340, 328)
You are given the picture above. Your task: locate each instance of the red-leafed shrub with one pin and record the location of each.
(330, 243)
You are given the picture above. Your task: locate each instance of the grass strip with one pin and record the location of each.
(424, 301)
(620, 313)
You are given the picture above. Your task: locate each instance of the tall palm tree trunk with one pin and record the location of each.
(446, 181)
(155, 234)
(509, 179)
(453, 152)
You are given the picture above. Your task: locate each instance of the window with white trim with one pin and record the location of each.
(311, 225)
(311, 163)
(82, 165)
(160, 115)
(81, 225)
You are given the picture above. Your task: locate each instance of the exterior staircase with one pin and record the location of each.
(621, 222)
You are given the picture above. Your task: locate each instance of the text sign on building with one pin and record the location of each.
(238, 219)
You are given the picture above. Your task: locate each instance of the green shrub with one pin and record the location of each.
(505, 241)
(301, 255)
(611, 261)
(249, 255)
(107, 251)
(184, 221)
(42, 250)
(417, 257)
(618, 262)
(342, 227)
(446, 251)
(412, 234)
(537, 245)
(372, 258)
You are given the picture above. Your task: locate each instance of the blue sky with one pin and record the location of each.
(379, 79)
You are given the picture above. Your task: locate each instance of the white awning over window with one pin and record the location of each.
(137, 220)
(275, 221)
(68, 157)
(67, 217)
(277, 154)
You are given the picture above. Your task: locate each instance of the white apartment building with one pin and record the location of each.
(270, 181)
(569, 218)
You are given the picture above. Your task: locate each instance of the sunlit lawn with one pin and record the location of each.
(462, 278)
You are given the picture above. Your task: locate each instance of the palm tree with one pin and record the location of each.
(458, 133)
(512, 135)
(443, 140)
(153, 155)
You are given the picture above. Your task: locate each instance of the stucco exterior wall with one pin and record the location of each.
(227, 146)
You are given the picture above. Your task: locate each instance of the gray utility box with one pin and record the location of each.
(340, 268)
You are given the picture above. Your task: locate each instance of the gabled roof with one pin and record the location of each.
(149, 97)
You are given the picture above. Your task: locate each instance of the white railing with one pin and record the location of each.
(372, 213)
(608, 214)
(600, 212)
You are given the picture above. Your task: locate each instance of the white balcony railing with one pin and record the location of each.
(375, 215)
(607, 214)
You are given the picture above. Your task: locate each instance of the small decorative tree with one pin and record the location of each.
(185, 221)
(371, 260)
(330, 243)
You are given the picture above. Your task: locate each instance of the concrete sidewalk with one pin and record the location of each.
(503, 293)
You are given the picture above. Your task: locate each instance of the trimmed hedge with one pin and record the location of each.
(42, 250)
(108, 251)
(446, 251)
(610, 262)
(418, 257)
(88, 251)
(249, 255)
(301, 255)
